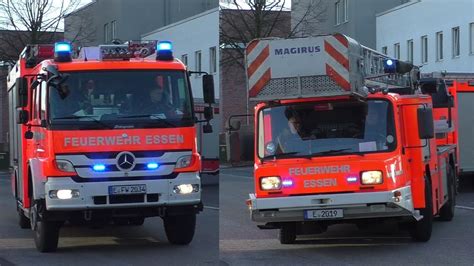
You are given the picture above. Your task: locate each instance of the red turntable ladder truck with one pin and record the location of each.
(108, 137)
(457, 89)
(343, 134)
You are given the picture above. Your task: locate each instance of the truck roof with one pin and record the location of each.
(81, 65)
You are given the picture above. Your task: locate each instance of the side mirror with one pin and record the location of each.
(208, 89)
(208, 114)
(56, 78)
(207, 128)
(53, 70)
(234, 125)
(429, 85)
(425, 123)
(23, 117)
(29, 135)
(22, 92)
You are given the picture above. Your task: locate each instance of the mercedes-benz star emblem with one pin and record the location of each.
(125, 161)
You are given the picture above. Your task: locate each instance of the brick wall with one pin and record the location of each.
(233, 92)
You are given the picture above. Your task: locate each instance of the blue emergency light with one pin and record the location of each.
(99, 167)
(390, 66)
(164, 51)
(62, 52)
(152, 166)
(396, 66)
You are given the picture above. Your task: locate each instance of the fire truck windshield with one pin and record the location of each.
(121, 99)
(323, 129)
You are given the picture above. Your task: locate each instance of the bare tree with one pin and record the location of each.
(244, 20)
(25, 22)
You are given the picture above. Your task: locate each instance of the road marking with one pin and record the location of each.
(211, 208)
(465, 207)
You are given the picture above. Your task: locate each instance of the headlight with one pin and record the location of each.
(371, 177)
(65, 166)
(270, 183)
(183, 161)
(186, 188)
(64, 194)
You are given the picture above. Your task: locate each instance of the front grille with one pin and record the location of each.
(100, 200)
(118, 199)
(152, 197)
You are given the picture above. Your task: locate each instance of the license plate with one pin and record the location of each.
(127, 189)
(323, 214)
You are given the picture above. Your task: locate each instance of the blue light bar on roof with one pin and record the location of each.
(62, 52)
(164, 51)
(164, 46)
(62, 47)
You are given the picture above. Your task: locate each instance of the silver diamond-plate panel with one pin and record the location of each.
(320, 85)
(311, 86)
(282, 86)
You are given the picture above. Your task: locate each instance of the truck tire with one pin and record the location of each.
(421, 230)
(46, 233)
(287, 234)
(180, 228)
(447, 211)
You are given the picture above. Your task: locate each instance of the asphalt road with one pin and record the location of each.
(242, 243)
(113, 245)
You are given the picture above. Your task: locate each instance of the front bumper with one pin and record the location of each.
(95, 195)
(354, 206)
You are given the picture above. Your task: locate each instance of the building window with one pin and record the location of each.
(410, 51)
(456, 45)
(424, 49)
(344, 6)
(113, 25)
(471, 38)
(396, 50)
(198, 61)
(106, 33)
(184, 59)
(212, 60)
(384, 50)
(341, 11)
(439, 46)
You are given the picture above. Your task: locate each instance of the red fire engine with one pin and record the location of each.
(108, 137)
(344, 134)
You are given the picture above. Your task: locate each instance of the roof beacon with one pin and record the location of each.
(164, 51)
(62, 52)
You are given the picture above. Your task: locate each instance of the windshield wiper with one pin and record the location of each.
(330, 152)
(280, 155)
(166, 122)
(83, 116)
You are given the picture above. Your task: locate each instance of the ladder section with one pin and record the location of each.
(321, 66)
